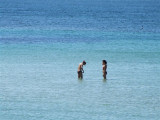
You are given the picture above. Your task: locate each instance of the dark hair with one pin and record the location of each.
(104, 61)
(84, 62)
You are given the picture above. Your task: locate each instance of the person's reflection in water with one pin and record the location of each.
(80, 80)
(104, 80)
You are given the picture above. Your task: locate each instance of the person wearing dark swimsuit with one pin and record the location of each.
(80, 70)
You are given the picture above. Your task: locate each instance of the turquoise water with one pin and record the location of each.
(42, 43)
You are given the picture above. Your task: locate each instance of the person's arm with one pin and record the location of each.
(82, 69)
(103, 68)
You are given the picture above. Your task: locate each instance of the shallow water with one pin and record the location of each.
(42, 43)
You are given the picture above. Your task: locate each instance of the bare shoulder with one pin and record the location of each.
(80, 64)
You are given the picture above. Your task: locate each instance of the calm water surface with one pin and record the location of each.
(42, 43)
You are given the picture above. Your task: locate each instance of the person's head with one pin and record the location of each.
(104, 62)
(84, 62)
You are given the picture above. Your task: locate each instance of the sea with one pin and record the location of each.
(42, 43)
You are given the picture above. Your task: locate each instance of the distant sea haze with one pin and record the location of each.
(43, 42)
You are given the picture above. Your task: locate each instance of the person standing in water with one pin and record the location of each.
(80, 70)
(104, 68)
